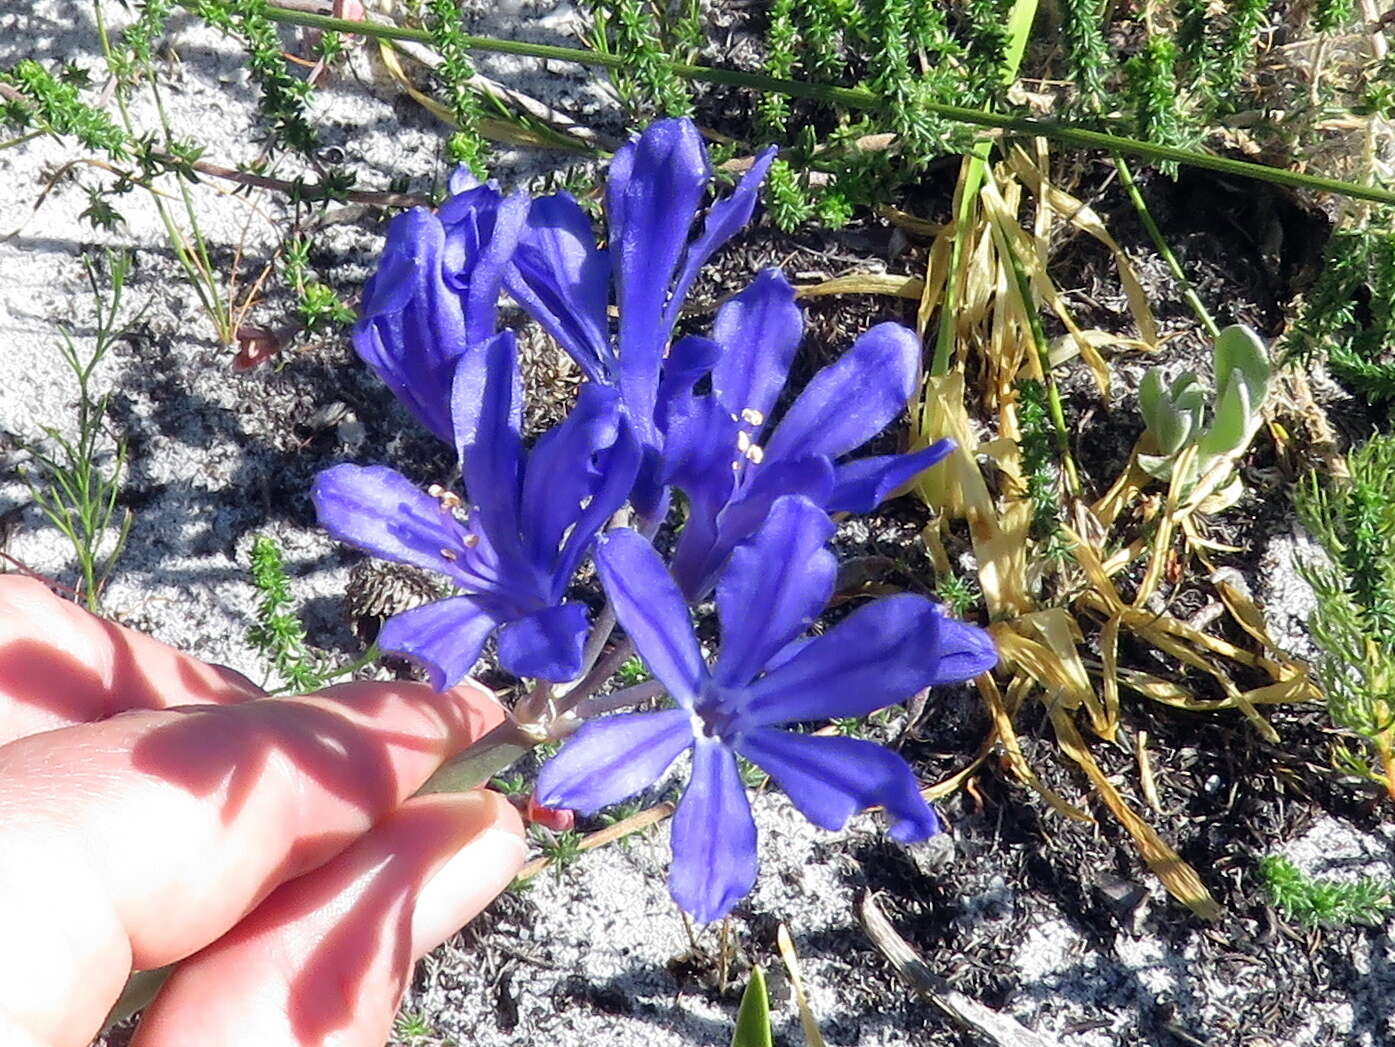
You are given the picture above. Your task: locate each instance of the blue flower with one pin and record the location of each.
(514, 552)
(764, 676)
(723, 453)
(434, 294)
(654, 191)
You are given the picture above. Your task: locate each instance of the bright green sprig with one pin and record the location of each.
(278, 633)
(781, 39)
(1358, 266)
(1082, 22)
(320, 308)
(1039, 465)
(52, 103)
(645, 79)
(1330, 15)
(957, 593)
(1237, 50)
(1195, 42)
(1353, 520)
(822, 24)
(986, 53)
(1322, 902)
(1151, 83)
(136, 56)
(283, 96)
(467, 146)
(77, 486)
(787, 196)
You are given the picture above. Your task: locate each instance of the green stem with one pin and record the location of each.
(861, 98)
(1146, 217)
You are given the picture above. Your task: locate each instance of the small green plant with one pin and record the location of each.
(283, 96)
(278, 633)
(510, 784)
(1348, 317)
(320, 308)
(632, 672)
(1178, 421)
(411, 1029)
(1321, 902)
(1353, 519)
(562, 849)
(957, 593)
(634, 30)
(77, 485)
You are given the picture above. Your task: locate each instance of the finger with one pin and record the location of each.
(138, 840)
(60, 665)
(327, 957)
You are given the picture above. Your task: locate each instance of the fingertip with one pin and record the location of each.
(477, 873)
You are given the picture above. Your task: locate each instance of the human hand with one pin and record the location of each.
(151, 813)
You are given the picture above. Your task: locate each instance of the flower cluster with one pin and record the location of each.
(656, 414)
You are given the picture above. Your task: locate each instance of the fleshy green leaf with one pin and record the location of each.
(753, 1019)
(1233, 425)
(1240, 355)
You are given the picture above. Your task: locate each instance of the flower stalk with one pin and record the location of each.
(862, 98)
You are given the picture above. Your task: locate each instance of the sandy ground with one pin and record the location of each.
(596, 953)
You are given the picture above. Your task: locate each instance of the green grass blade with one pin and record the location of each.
(753, 1019)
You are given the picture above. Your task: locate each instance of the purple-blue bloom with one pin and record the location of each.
(723, 453)
(514, 552)
(435, 293)
(654, 192)
(773, 588)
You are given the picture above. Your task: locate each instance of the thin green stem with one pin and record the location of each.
(861, 98)
(1151, 227)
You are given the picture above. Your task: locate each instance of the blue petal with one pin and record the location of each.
(700, 450)
(652, 611)
(560, 474)
(773, 588)
(965, 651)
(759, 331)
(444, 637)
(810, 478)
(725, 219)
(860, 486)
(482, 233)
(562, 280)
(708, 538)
(547, 644)
(689, 359)
(413, 325)
(713, 837)
(831, 779)
(382, 512)
(609, 760)
(662, 193)
(487, 405)
(882, 653)
(616, 468)
(852, 400)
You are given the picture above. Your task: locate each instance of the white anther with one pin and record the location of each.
(752, 417)
(754, 454)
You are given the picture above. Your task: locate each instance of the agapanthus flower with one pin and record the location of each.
(724, 454)
(764, 676)
(513, 552)
(654, 192)
(435, 294)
